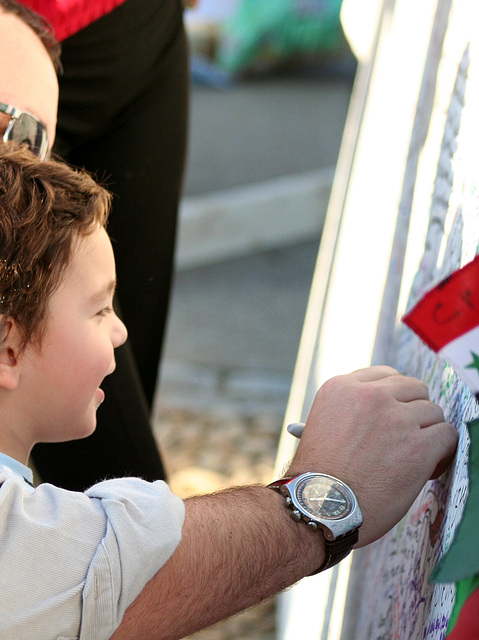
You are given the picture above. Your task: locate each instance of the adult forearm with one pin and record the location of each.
(373, 429)
(239, 548)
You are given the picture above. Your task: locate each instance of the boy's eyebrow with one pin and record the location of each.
(104, 292)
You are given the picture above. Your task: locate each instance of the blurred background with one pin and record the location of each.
(266, 127)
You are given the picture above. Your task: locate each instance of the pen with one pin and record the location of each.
(295, 429)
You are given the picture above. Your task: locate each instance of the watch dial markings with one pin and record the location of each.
(323, 498)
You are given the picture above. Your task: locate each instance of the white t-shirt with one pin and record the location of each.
(71, 563)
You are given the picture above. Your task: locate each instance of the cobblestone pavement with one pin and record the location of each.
(213, 450)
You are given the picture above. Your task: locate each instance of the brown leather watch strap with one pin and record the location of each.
(337, 550)
(277, 484)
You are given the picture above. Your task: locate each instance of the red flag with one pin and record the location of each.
(467, 624)
(447, 319)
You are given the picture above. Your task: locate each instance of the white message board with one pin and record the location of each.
(404, 214)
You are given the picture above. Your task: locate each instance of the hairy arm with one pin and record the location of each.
(239, 547)
(374, 429)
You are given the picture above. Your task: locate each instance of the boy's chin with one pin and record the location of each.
(86, 429)
(78, 430)
(80, 434)
(89, 429)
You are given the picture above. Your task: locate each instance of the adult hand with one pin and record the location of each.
(374, 429)
(377, 431)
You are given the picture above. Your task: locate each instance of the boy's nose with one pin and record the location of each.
(119, 332)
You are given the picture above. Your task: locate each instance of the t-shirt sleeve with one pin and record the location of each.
(73, 562)
(144, 522)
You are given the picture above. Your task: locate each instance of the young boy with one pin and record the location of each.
(109, 563)
(58, 332)
(29, 60)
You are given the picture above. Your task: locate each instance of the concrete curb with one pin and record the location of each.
(200, 387)
(266, 215)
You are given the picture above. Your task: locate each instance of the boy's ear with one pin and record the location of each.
(10, 342)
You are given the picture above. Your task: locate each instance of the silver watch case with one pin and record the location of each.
(336, 512)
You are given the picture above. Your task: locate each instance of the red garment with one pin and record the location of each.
(467, 624)
(69, 16)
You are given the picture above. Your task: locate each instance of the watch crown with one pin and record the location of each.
(289, 502)
(296, 515)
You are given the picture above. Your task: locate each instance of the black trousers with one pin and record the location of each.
(123, 115)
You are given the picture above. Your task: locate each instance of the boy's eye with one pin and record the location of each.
(105, 311)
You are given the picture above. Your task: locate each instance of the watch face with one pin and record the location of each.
(324, 497)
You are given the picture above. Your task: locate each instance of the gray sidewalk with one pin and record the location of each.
(235, 325)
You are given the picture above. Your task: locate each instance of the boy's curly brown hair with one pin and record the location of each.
(44, 207)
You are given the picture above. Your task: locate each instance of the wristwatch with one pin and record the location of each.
(324, 502)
